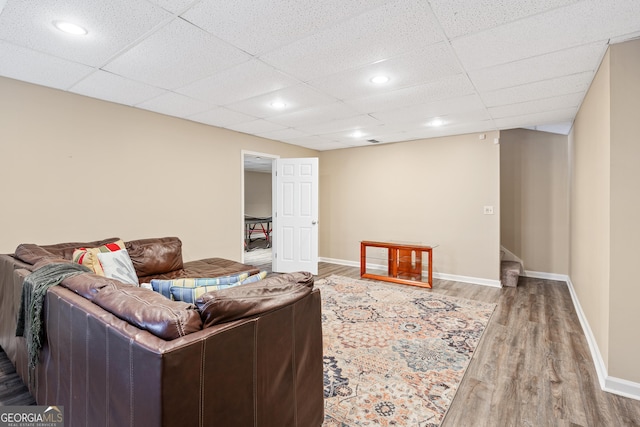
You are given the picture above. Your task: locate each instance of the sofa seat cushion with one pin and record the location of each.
(209, 267)
(155, 256)
(140, 307)
(255, 298)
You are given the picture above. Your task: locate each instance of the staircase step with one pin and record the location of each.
(510, 272)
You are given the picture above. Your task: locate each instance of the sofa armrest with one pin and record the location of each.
(252, 299)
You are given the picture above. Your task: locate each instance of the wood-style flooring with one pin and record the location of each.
(532, 367)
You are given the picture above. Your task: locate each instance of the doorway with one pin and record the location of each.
(257, 208)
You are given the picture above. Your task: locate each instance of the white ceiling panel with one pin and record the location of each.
(111, 26)
(175, 104)
(176, 55)
(34, 67)
(537, 106)
(538, 68)
(459, 17)
(320, 114)
(561, 128)
(446, 88)
(394, 29)
(295, 98)
(255, 127)
(478, 65)
(424, 65)
(534, 119)
(260, 26)
(538, 90)
(347, 124)
(111, 87)
(283, 134)
(220, 116)
(548, 32)
(427, 111)
(246, 80)
(174, 6)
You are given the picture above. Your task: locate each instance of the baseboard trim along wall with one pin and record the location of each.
(608, 383)
(436, 275)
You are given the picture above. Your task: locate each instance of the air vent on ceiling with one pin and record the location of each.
(373, 141)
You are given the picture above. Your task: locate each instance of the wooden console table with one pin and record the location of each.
(403, 263)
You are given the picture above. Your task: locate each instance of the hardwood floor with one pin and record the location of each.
(532, 367)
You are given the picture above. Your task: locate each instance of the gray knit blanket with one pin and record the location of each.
(34, 289)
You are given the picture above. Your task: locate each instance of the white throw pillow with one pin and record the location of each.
(117, 265)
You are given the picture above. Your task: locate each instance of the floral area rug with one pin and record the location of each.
(394, 355)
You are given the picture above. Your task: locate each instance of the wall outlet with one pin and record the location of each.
(488, 210)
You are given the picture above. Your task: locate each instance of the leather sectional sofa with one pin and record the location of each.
(121, 355)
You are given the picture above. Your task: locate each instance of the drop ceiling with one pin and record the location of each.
(472, 65)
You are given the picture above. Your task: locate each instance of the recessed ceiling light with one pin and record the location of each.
(436, 122)
(278, 104)
(380, 79)
(70, 28)
(357, 134)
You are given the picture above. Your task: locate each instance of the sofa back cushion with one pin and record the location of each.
(155, 256)
(254, 298)
(32, 253)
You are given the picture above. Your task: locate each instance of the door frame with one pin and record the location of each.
(244, 153)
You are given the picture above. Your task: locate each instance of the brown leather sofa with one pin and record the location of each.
(122, 355)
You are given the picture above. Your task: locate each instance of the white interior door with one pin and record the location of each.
(295, 215)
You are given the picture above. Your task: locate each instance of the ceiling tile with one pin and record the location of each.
(111, 87)
(34, 67)
(459, 17)
(283, 134)
(221, 117)
(175, 104)
(538, 90)
(174, 6)
(295, 98)
(328, 112)
(427, 64)
(448, 87)
(256, 126)
(176, 55)
(544, 67)
(537, 106)
(246, 80)
(547, 117)
(260, 26)
(394, 29)
(311, 142)
(112, 26)
(424, 112)
(562, 128)
(583, 22)
(347, 124)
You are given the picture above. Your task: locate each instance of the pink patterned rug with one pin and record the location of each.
(394, 355)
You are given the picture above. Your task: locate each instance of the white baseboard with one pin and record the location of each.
(441, 276)
(610, 384)
(548, 276)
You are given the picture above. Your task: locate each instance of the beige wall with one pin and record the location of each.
(624, 292)
(75, 168)
(257, 193)
(534, 198)
(605, 209)
(590, 254)
(428, 191)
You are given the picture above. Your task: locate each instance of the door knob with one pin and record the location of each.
(314, 222)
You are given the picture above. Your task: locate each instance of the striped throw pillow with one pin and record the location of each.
(89, 256)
